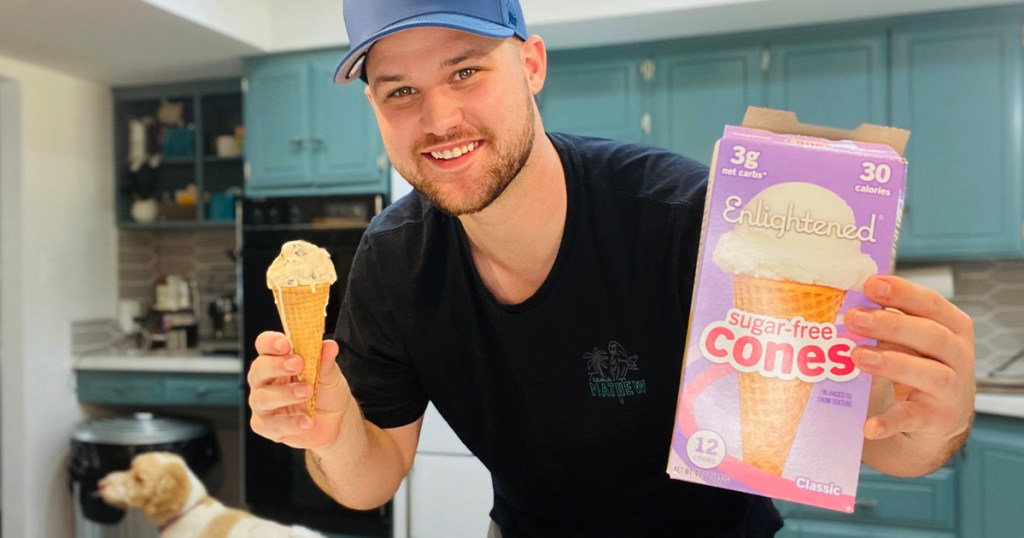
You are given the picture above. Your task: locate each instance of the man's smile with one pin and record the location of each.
(454, 152)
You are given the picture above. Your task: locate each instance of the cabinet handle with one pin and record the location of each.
(200, 392)
(866, 503)
(298, 143)
(318, 144)
(382, 163)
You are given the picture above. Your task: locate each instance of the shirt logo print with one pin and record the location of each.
(609, 370)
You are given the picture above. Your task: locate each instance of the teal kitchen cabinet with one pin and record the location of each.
(886, 506)
(992, 494)
(114, 387)
(304, 134)
(178, 158)
(836, 78)
(592, 93)
(956, 84)
(839, 79)
(821, 529)
(700, 90)
(680, 94)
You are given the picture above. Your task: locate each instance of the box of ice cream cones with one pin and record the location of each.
(797, 217)
(301, 278)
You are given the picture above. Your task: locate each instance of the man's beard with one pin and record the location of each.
(510, 159)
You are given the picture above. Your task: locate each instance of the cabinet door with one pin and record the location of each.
(347, 152)
(957, 87)
(819, 529)
(924, 502)
(449, 496)
(276, 115)
(839, 82)
(993, 478)
(698, 93)
(594, 96)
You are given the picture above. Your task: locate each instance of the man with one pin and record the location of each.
(520, 253)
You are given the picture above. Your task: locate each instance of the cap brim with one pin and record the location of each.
(351, 66)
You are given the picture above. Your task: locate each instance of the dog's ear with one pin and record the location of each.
(167, 489)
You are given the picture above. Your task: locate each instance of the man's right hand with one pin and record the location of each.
(278, 399)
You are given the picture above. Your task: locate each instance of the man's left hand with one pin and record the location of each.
(926, 349)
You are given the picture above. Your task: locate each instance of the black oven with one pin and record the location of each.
(277, 485)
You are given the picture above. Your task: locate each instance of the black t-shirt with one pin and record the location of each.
(569, 397)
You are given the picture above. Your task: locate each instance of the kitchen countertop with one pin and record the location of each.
(1010, 404)
(185, 361)
(995, 403)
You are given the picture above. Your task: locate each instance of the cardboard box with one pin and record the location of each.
(796, 218)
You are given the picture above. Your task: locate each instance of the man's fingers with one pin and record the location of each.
(926, 375)
(894, 292)
(272, 399)
(272, 343)
(923, 335)
(273, 369)
(328, 352)
(901, 417)
(282, 424)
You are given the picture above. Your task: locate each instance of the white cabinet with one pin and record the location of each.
(449, 490)
(449, 497)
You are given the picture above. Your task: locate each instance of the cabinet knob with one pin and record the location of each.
(200, 392)
(298, 144)
(318, 143)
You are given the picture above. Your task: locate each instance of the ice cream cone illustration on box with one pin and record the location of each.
(301, 278)
(791, 256)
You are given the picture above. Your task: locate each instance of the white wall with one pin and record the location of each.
(58, 254)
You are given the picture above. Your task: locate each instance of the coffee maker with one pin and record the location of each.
(224, 313)
(173, 320)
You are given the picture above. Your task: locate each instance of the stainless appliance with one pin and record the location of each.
(109, 444)
(173, 320)
(277, 485)
(224, 313)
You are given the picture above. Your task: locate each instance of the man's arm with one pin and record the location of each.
(922, 399)
(366, 465)
(355, 462)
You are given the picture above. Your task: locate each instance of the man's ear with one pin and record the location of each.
(535, 62)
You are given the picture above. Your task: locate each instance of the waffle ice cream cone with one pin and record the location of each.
(301, 278)
(771, 408)
(302, 311)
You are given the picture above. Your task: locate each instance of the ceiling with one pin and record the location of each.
(125, 42)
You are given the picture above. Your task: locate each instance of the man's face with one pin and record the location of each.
(455, 111)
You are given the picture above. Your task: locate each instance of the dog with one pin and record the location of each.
(162, 485)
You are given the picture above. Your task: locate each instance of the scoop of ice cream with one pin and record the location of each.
(301, 264)
(778, 237)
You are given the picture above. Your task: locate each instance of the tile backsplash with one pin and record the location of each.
(204, 256)
(992, 293)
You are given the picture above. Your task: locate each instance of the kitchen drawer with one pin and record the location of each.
(831, 529)
(203, 390)
(158, 388)
(927, 501)
(119, 388)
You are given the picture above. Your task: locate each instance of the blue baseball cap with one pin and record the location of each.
(369, 20)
